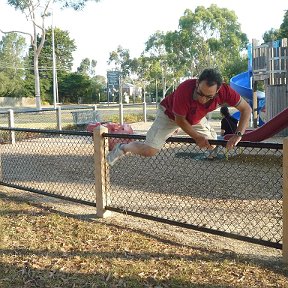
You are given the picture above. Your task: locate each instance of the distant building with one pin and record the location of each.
(128, 89)
(131, 90)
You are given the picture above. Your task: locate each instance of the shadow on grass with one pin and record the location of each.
(25, 276)
(272, 263)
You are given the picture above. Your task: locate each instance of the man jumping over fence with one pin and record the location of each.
(186, 108)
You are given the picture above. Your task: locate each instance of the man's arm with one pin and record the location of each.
(200, 139)
(245, 112)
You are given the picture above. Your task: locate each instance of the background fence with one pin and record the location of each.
(71, 117)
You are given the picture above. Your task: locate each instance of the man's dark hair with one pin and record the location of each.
(212, 76)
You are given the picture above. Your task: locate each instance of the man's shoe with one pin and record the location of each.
(211, 157)
(115, 154)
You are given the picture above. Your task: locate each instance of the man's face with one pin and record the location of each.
(205, 93)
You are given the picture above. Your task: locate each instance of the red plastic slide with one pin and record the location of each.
(269, 129)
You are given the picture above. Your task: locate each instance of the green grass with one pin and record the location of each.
(41, 248)
(48, 120)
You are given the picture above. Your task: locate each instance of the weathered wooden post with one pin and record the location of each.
(100, 169)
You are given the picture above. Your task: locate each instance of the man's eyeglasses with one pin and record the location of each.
(207, 97)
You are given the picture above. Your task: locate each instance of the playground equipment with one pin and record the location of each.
(269, 129)
(267, 63)
(241, 83)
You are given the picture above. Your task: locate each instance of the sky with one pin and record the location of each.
(101, 27)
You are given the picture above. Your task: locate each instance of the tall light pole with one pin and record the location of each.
(55, 85)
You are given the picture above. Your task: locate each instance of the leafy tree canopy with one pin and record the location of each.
(87, 67)
(280, 33)
(26, 4)
(283, 33)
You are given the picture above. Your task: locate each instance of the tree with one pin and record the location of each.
(64, 48)
(98, 87)
(73, 86)
(271, 35)
(275, 34)
(161, 66)
(207, 37)
(283, 31)
(36, 11)
(122, 61)
(87, 67)
(12, 65)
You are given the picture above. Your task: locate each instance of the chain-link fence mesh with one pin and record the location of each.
(36, 120)
(238, 193)
(4, 120)
(52, 163)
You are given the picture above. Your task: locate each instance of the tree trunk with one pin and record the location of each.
(37, 82)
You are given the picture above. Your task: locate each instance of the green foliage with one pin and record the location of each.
(122, 61)
(280, 33)
(12, 50)
(75, 4)
(25, 4)
(64, 48)
(98, 89)
(73, 86)
(87, 67)
(32, 10)
(29, 84)
(10, 87)
(234, 67)
(209, 38)
(283, 33)
(271, 35)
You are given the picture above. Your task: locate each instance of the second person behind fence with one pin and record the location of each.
(186, 108)
(228, 126)
(228, 122)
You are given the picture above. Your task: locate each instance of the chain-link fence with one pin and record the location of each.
(238, 194)
(49, 162)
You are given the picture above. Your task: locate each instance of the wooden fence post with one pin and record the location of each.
(100, 171)
(285, 200)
